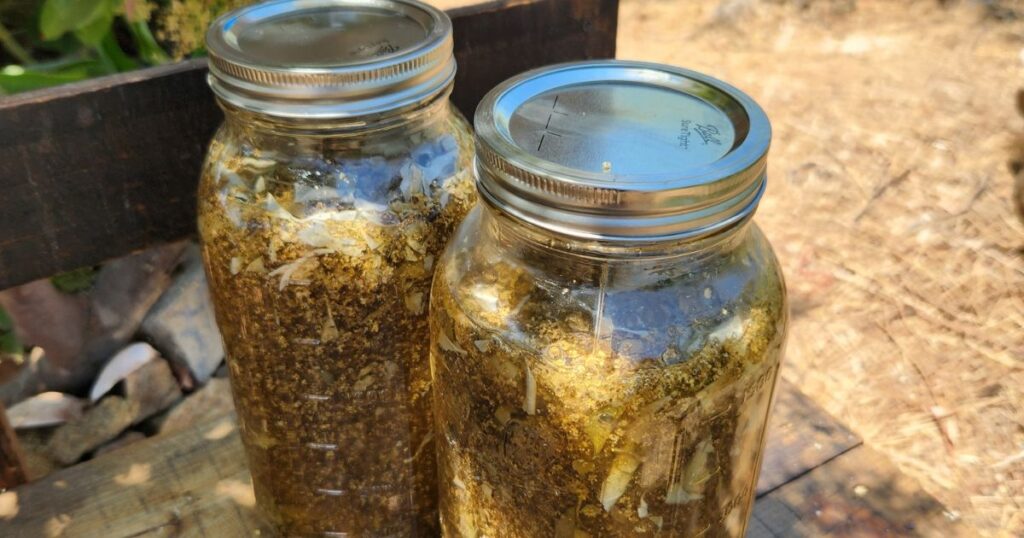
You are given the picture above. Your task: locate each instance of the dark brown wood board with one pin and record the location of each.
(857, 494)
(811, 437)
(195, 483)
(12, 461)
(98, 169)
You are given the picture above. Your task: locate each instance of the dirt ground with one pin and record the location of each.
(889, 204)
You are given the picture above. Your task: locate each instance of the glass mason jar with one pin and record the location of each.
(339, 174)
(607, 323)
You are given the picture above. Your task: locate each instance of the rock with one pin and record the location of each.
(125, 439)
(43, 316)
(46, 409)
(152, 388)
(181, 325)
(207, 403)
(34, 446)
(98, 425)
(147, 390)
(122, 364)
(124, 291)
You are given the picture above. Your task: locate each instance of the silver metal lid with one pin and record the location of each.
(618, 150)
(330, 58)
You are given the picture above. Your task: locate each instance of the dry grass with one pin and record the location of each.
(890, 206)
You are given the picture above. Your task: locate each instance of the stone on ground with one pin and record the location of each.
(207, 403)
(80, 333)
(147, 391)
(152, 388)
(46, 409)
(98, 425)
(126, 361)
(181, 325)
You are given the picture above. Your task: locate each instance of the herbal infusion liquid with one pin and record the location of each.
(607, 324)
(339, 174)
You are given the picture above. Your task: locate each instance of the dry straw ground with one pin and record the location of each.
(890, 207)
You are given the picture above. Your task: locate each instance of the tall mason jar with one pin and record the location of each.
(607, 323)
(339, 174)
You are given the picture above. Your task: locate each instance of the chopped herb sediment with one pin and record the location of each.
(320, 263)
(572, 409)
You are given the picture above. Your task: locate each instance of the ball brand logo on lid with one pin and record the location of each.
(617, 150)
(330, 58)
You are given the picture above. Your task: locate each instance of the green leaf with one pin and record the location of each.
(75, 281)
(9, 344)
(93, 33)
(111, 52)
(149, 50)
(66, 63)
(14, 78)
(5, 321)
(8, 340)
(61, 16)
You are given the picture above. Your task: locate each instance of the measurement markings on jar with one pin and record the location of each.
(370, 395)
(365, 491)
(330, 492)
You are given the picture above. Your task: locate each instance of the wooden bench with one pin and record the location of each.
(818, 480)
(99, 169)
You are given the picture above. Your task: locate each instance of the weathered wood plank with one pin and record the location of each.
(801, 436)
(12, 462)
(194, 483)
(756, 529)
(98, 169)
(489, 51)
(859, 493)
(197, 480)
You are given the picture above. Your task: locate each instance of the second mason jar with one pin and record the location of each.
(607, 323)
(337, 177)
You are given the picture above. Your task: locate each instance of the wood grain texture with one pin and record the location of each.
(859, 493)
(195, 483)
(98, 169)
(801, 436)
(495, 46)
(13, 471)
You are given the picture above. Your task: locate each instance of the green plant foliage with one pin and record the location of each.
(89, 19)
(80, 39)
(75, 281)
(8, 340)
(15, 78)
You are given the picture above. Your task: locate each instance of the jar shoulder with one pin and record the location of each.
(251, 174)
(638, 309)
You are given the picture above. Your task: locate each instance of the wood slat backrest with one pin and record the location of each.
(98, 169)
